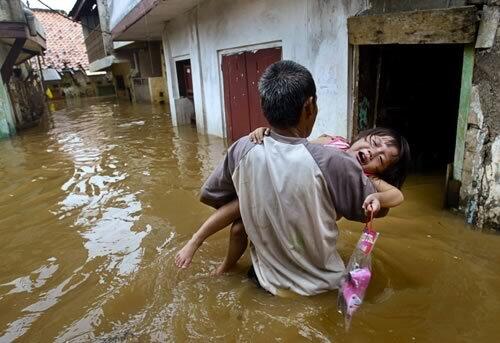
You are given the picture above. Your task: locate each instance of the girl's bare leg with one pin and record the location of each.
(221, 218)
(238, 243)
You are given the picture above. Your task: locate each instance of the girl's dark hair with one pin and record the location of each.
(395, 174)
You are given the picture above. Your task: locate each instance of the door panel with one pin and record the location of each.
(241, 74)
(256, 63)
(236, 95)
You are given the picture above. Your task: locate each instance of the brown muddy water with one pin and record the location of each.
(95, 203)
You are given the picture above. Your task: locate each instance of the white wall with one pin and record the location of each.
(313, 33)
(118, 9)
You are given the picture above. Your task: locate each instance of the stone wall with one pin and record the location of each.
(480, 191)
(27, 97)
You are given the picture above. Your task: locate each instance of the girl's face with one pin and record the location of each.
(374, 153)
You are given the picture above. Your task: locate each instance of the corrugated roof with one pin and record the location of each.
(50, 75)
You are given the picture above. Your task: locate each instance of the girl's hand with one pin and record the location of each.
(371, 204)
(257, 136)
(324, 135)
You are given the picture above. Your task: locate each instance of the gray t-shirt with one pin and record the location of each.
(291, 193)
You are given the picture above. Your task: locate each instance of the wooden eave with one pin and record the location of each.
(439, 26)
(12, 31)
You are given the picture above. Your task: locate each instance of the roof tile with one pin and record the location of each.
(65, 42)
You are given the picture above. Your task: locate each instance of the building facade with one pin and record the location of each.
(22, 102)
(65, 64)
(134, 67)
(426, 68)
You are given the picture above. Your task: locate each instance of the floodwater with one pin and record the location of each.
(96, 201)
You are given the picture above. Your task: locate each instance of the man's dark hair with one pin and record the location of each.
(284, 88)
(395, 174)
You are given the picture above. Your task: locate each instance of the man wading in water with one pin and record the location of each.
(290, 191)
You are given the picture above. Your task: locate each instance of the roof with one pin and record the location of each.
(65, 42)
(50, 75)
(146, 18)
(78, 8)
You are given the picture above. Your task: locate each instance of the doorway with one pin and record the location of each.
(185, 103)
(241, 73)
(414, 89)
(184, 78)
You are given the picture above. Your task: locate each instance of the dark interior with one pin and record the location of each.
(418, 95)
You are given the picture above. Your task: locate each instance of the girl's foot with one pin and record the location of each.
(223, 268)
(185, 255)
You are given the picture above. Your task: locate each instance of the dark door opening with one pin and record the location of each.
(414, 89)
(185, 83)
(241, 74)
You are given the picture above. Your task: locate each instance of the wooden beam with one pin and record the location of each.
(24, 49)
(11, 58)
(440, 26)
(9, 29)
(488, 27)
(353, 86)
(463, 110)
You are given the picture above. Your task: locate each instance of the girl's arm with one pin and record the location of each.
(323, 139)
(387, 196)
(257, 136)
(221, 218)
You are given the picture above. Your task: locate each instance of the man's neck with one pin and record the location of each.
(290, 132)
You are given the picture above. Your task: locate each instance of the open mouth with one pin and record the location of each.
(362, 158)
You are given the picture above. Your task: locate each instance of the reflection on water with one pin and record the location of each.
(96, 202)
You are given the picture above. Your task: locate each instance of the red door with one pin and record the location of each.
(241, 73)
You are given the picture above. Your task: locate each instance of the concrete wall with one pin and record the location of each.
(122, 69)
(104, 18)
(149, 59)
(11, 10)
(141, 89)
(150, 89)
(313, 33)
(157, 90)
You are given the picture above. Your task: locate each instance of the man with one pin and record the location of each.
(290, 192)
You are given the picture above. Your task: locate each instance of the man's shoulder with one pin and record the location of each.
(328, 157)
(240, 148)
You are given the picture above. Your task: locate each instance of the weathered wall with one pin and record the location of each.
(480, 192)
(157, 90)
(27, 97)
(141, 89)
(149, 59)
(180, 41)
(104, 18)
(386, 6)
(122, 69)
(7, 124)
(11, 10)
(313, 33)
